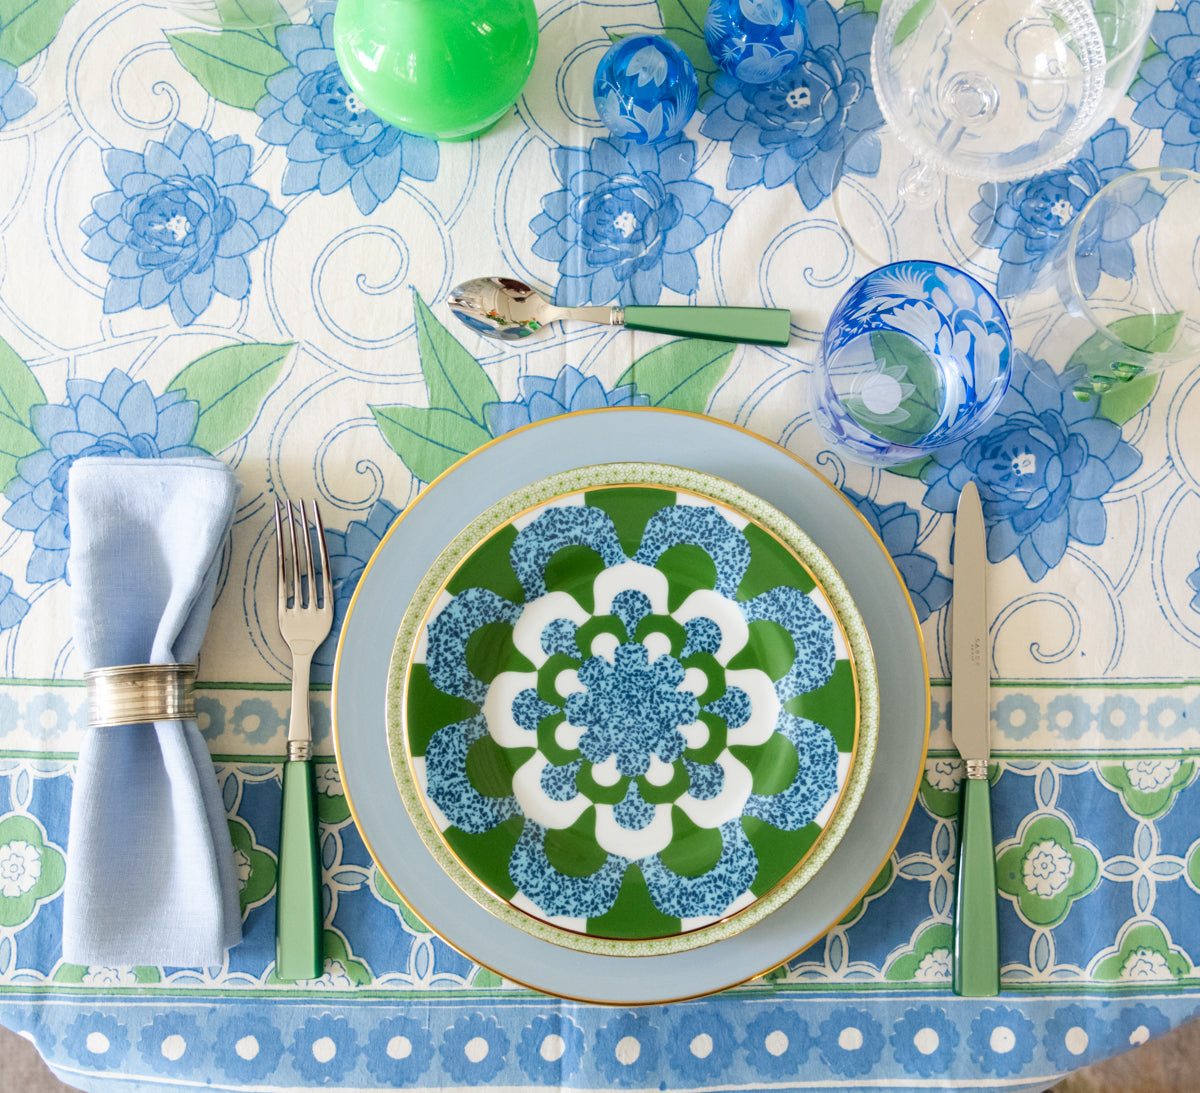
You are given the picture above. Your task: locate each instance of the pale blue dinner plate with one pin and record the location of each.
(414, 543)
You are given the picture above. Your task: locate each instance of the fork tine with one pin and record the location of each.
(326, 580)
(279, 555)
(298, 573)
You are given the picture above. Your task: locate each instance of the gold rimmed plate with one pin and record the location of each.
(632, 709)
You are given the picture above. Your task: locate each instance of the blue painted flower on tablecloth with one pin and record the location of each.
(1167, 89)
(332, 139)
(324, 1049)
(1042, 466)
(1136, 1024)
(551, 1049)
(899, 526)
(627, 1048)
(247, 1048)
(399, 1050)
(851, 1041)
(349, 553)
(115, 418)
(1073, 1036)
(13, 606)
(701, 1044)
(1024, 221)
(210, 716)
(777, 1043)
(804, 127)
(256, 720)
(1001, 1040)
(15, 98)
(627, 222)
(178, 224)
(924, 1040)
(96, 1041)
(473, 1049)
(548, 396)
(173, 1043)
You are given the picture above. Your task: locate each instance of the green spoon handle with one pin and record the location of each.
(298, 939)
(976, 934)
(753, 325)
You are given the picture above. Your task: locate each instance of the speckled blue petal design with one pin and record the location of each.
(631, 606)
(570, 525)
(559, 894)
(559, 637)
(810, 629)
(704, 527)
(558, 783)
(710, 893)
(449, 633)
(733, 707)
(815, 783)
(529, 708)
(706, 780)
(703, 636)
(633, 812)
(448, 785)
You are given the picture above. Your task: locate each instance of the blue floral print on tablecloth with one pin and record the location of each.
(551, 1049)
(1001, 1041)
(1069, 1034)
(324, 1049)
(800, 128)
(1025, 220)
(115, 418)
(851, 1041)
(1043, 465)
(349, 553)
(548, 396)
(899, 526)
(1138, 1023)
(923, 1040)
(473, 1049)
(15, 98)
(96, 1041)
(178, 224)
(173, 1043)
(616, 1041)
(627, 222)
(700, 1045)
(13, 606)
(247, 1048)
(1167, 89)
(777, 1043)
(332, 139)
(399, 1050)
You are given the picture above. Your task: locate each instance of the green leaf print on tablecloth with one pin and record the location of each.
(1046, 871)
(1142, 954)
(1149, 786)
(20, 392)
(31, 871)
(26, 28)
(255, 866)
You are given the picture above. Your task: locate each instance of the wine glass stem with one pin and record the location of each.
(919, 184)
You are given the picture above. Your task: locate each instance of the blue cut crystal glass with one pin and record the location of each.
(917, 355)
(756, 41)
(645, 89)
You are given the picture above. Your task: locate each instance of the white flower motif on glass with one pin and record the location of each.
(919, 321)
(944, 774)
(1146, 964)
(327, 780)
(241, 866)
(1149, 775)
(109, 977)
(1047, 869)
(20, 868)
(934, 967)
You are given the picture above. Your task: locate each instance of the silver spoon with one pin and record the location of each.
(500, 307)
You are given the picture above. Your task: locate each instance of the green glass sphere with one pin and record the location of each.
(447, 69)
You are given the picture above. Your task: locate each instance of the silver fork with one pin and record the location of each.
(305, 619)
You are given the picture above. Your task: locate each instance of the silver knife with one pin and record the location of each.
(976, 934)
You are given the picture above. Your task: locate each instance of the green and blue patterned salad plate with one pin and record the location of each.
(632, 709)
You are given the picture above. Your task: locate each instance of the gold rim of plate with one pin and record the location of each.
(745, 504)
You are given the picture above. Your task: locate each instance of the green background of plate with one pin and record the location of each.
(574, 851)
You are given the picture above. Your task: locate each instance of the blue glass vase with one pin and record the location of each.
(645, 89)
(756, 41)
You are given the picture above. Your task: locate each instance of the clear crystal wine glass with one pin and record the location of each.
(996, 90)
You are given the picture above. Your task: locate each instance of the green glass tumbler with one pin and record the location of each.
(446, 69)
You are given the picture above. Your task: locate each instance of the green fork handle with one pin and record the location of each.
(753, 325)
(976, 933)
(298, 938)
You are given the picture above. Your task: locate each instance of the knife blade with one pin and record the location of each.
(976, 934)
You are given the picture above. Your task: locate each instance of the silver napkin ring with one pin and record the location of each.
(131, 694)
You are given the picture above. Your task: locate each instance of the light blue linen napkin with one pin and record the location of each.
(150, 873)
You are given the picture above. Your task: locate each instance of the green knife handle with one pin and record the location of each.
(753, 325)
(976, 934)
(298, 938)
